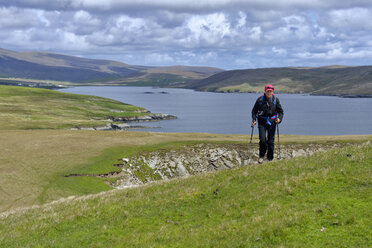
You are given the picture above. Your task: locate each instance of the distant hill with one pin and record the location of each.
(328, 80)
(49, 66)
(29, 67)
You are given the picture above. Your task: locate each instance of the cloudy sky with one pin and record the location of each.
(230, 34)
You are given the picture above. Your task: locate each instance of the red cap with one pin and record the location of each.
(269, 87)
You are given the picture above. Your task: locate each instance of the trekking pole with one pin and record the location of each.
(277, 126)
(252, 133)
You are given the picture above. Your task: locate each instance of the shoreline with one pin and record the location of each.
(223, 92)
(111, 126)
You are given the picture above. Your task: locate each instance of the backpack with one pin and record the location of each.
(268, 119)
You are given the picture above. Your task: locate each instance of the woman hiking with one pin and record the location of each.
(269, 113)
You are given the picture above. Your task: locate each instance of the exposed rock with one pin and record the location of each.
(191, 160)
(149, 117)
(121, 122)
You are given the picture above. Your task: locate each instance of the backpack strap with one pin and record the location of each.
(262, 97)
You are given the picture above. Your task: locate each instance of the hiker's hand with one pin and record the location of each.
(253, 124)
(277, 120)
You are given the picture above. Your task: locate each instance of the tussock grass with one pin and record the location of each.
(320, 201)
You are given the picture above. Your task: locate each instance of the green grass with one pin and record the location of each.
(320, 201)
(31, 108)
(33, 81)
(103, 163)
(33, 163)
(282, 85)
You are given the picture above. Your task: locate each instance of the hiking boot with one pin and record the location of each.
(260, 160)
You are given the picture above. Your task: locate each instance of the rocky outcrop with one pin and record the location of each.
(192, 160)
(149, 117)
(121, 123)
(195, 159)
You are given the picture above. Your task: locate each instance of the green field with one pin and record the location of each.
(33, 163)
(31, 108)
(319, 201)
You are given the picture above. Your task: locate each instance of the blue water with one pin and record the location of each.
(209, 112)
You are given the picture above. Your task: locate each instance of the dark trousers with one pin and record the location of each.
(267, 142)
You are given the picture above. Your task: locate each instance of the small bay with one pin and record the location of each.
(230, 113)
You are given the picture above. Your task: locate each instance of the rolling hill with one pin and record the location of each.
(329, 80)
(57, 67)
(45, 69)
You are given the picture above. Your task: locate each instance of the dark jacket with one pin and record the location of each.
(267, 108)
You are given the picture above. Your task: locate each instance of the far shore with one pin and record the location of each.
(57, 87)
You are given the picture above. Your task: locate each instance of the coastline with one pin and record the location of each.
(283, 92)
(229, 122)
(122, 123)
(59, 87)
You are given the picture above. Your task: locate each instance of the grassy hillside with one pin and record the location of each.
(30, 108)
(33, 163)
(320, 201)
(322, 80)
(28, 66)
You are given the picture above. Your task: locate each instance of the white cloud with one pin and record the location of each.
(188, 54)
(209, 29)
(321, 32)
(354, 18)
(195, 6)
(205, 58)
(255, 34)
(41, 17)
(242, 19)
(84, 18)
(73, 41)
(128, 24)
(158, 59)
(336, 51)
(293, 27)
(218, 32)
(13, 18)
(279, 51)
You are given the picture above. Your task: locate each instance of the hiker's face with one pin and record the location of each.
(269, 93)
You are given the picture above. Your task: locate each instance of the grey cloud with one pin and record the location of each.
(30, 18)
(350, 19)
(217, 33)
(168, 19)
(184, 6)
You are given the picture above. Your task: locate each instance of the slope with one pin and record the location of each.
(319, 201)
(30, 108)
(332, 80)
(58, 67)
